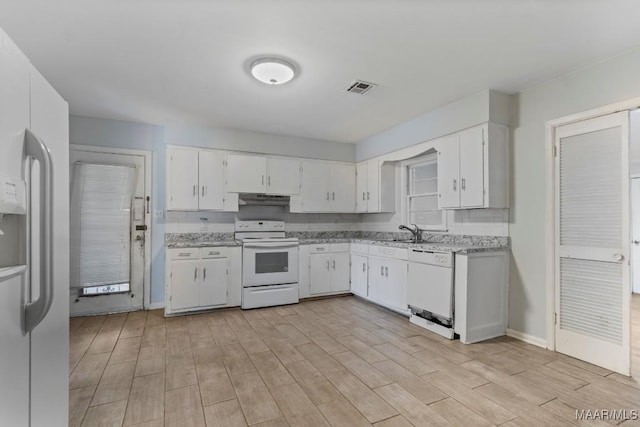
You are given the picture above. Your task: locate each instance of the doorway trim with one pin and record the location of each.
(146, 300)
(550, 199)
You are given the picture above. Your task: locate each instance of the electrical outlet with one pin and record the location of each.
(158, 214)
(204, 224)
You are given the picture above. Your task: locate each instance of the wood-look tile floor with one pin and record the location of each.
(331, 362)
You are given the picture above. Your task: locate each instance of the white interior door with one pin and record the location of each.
(139, 240)
(635, 235)
(592, 241)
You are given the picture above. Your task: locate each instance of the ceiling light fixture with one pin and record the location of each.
(272, 71)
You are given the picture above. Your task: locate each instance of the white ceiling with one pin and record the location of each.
(176, 61)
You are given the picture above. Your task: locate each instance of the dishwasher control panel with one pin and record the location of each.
(442, 259)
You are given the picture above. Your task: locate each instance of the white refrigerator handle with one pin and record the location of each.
(36, 310)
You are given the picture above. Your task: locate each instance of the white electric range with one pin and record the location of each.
(269, 264)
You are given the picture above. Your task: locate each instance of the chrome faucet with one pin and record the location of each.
(417, 235)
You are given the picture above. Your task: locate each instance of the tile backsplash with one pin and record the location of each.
(472, 222)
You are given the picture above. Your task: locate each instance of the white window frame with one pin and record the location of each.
(406, 196)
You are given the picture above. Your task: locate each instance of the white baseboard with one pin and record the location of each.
(155, 306)
(529, 339)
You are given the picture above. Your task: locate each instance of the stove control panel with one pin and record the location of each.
(259, 225)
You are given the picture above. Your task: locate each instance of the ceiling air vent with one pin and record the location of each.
(360, 87)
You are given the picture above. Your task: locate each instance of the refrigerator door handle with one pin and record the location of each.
(37, 310)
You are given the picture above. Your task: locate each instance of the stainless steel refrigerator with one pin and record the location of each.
(34, 245)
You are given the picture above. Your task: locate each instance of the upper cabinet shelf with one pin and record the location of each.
(473, 168)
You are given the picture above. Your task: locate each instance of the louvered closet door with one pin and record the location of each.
(592, 241)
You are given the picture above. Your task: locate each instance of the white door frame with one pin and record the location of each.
(550, 199)
(146, 301)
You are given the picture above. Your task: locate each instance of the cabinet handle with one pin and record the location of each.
(262, 179)
(334, 265)
(464, 184)
(203, 191)
(269, 180)
(363, 198)
(334, 196)
(195, 274)
(368, 195)
(381, 270)
(184, 254)
(455, 185)
(214, 252)
(194, 191)
(328, 265)
(327, 196)
(386, 271)
(364, 267)
(204, 273)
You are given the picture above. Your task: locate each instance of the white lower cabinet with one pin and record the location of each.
(359, 274)
(481, 295)
(202, 278)
(379, 273)
(328, 267)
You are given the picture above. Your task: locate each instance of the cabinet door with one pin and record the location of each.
(185, 278)
(449, 172)
(213, 286)
(376, 279)
(472, 167)
(319, 273)
(359, 275)
(396, 286)
(340, 272)
(373, 186)
(315, 186)
(283, 176)
(361, 187)
(343, 188)
(182, 179)
(246, 174)
(211, 179)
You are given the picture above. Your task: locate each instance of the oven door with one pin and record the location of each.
(269, 263)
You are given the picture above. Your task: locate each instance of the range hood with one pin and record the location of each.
(247, 199)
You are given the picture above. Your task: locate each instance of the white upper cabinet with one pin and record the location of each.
(246, 174)
(182, 179)
(327, 187)
(343, 187)
(375, 186)
(195, 180)
(362, 187)
(473, 168)
(283, 176)
(211, 180)
(259, 174)
(449, 172)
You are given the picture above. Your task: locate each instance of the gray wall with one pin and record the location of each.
(607, 82)
(139, 136)
(485, 106)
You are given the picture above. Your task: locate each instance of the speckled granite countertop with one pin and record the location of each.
(460, 248)
(433, 242)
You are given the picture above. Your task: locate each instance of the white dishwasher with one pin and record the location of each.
(430, 290)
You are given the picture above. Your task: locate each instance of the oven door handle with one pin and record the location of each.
(270, 245)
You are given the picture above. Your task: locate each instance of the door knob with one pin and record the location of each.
(618, 257)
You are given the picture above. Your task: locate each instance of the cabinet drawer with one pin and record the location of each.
(313, 249)
(388, 252)
(213, 252)
(340, 247)
(184, 253)
(359, 248)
